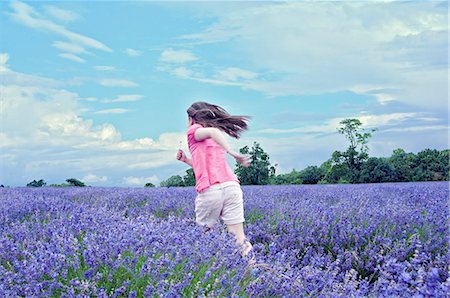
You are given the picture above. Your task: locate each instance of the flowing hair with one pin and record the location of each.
(210, 115)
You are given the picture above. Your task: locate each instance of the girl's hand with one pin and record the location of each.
(244, 160)
(181, 156)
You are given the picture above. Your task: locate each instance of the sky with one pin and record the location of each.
(98, 90)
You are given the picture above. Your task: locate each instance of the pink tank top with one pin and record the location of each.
(208, 161)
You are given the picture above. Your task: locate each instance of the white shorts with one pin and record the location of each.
(220, 201)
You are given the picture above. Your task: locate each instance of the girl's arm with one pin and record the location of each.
(204, 133)
(182, 157)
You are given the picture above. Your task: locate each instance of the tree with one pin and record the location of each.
(288, 178)
(189, 178)
(259, 170)
(35, 183)
(402, 164)
(377, 170)
(311, 175)
(357, 151)
(431, 165)
(335, 172)
(149, 184)
(173, 181)
(75, 182)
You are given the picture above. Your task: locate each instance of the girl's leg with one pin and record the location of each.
(238, 231)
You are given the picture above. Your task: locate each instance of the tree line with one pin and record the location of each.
(354, 165)
(70, 182)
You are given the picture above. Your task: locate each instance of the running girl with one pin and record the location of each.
(219, 195)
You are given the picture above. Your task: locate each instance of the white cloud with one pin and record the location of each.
(104, 68)
(235, 73)
(133, 53)
(4, 57)
(182, 72)
(92, 178)
(140, 181)
(72, 57)
(185, 73)
(174, 56)
(124, 98)
(54, 139)
(322, 47)
(112, 111)
(77, 43)
(91, 99)
(444, 128)
(368, 122)
(117, 83)
(61, 14)
(69, 47)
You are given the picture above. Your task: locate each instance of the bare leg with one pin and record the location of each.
(238, 231)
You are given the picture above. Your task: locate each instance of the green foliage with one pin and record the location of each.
(149, 184)
(402, 164)
(357, 151)
(75, 182)
(259, 171)
(189, 178)
(288, 178)
(173, 181)
(177, 181)
(60, 185)
(35, 183)
(431, 165)
(376, 170)
(311, 175)
(350, 166)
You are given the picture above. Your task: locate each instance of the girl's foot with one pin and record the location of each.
(246, 247)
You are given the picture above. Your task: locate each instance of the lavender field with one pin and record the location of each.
(315, 241)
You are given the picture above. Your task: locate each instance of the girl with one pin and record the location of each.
(219, 195)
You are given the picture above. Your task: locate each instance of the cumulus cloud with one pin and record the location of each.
(4, 57)
(92, 178)
(140, 181)
(54, 138)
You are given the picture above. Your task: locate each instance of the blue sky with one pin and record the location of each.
(98, 90)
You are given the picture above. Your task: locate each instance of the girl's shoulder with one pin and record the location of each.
(193, 128)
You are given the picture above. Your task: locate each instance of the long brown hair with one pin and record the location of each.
(210, 115)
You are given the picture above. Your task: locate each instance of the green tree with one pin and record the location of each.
(335, 172)
(376, 170)
(189, 178)
(287, 178)
(259, 170)
(311, 175)
(402, 164)
(357, 151)
(173, 181)
(35, 183)
(149, 184)
(431, 165)
(75, 182)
